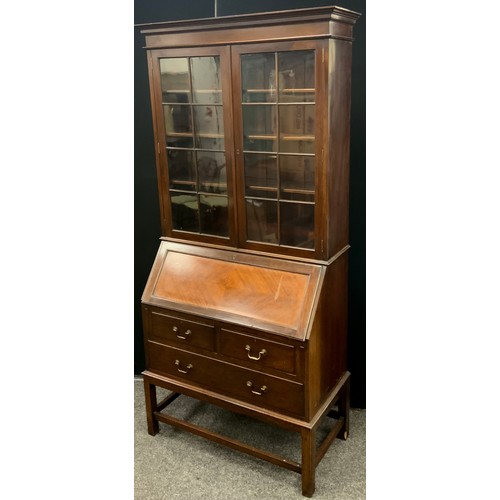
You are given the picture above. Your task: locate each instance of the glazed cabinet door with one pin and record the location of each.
(280, 109)
(190, 93)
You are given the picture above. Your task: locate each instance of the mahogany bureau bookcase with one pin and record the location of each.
(246, 303)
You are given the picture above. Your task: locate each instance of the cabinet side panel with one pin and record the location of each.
(340, 125)
(327, 353)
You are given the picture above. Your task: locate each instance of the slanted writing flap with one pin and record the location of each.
(260, 292)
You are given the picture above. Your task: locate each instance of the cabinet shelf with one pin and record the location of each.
(297, 137)
(274, 103)
(288, 91)
(263, 188)
(188, 91)
(296, 91)
(259, 91)
(262, 137)
(188, 134)
(179, 134)
(274, 153)
(283, 190)
(183, 183)
(297, 191)
(283, 137)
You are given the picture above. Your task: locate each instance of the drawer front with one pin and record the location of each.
(253, 387)
(182, 332)
(257, 351)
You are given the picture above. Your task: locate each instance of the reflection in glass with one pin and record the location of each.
(297, 178)
(205, 76)
(262, 221)
(211, 172)
(297, 128)
(194, 128)
(181, 170)
(296, 71)
(174, 73)
(209, 127)
(259, 128)
(258, 77)
(213, 215)
(297, 225)
(185, 212)
(261, 179)
(178, 127)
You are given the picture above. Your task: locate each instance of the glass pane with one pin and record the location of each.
(178, 127)
(261, 178)
(262, 221)
(174, 73)
(213, 215)
(258, 77)
(205, 76)
(259, 128)
(209, 127)
(181, 170)
(297, 128)
(296, 70)
(211, 172)
(297, 178)
(185, 212)
(297, 225)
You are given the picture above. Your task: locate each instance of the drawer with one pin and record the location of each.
(259, 352)
(182, 331)
(244, 384)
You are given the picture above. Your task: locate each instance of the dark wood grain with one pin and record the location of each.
(259, 328)
(273, 295)
(279, 394)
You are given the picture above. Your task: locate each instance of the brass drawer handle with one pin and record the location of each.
(186, 333)
(178, 364)
(262, 389)
(262, 352)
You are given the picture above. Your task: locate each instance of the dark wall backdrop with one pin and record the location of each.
(147, 213)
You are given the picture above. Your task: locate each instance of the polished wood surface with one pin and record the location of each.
(257, 27)
(266, 294)
(249, 290)
(256, 321)
(328, 32)
(257, 352)
(255, 387)
(339, 146)
(174, 329)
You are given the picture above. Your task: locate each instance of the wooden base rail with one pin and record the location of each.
(311, 453)
(230, 443)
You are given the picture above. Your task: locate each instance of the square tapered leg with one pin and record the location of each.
(308, 461)
(151, 407)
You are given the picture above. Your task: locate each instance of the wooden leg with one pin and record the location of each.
(308, 461)
(151, 407)
(344, 407)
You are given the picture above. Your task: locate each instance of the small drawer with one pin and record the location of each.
(257, 351)
(182, 331)
(227, 379)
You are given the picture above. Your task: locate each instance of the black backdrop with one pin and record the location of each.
(146, 204)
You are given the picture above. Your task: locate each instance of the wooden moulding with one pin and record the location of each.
(316, 22)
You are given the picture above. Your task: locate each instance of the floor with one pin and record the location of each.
(178, 465)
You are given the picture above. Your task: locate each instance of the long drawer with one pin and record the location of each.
(247, 385)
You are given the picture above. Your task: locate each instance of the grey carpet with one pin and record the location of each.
(176, 464)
